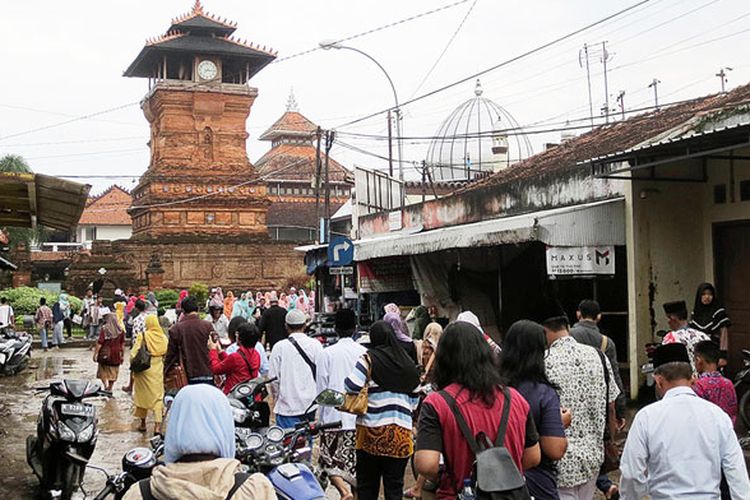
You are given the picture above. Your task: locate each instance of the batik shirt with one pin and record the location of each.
(139, 324)
(578, 371)
(686, 336)
(714, 387)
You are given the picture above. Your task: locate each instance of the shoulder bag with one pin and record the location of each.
(611, 451)
(357, 403)
(142, 360)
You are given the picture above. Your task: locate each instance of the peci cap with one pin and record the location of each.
(345, 320)
(678, 307)
(669, 353)
(295, 317)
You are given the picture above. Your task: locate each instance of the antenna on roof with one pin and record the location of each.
(723, 77)
(655, 83)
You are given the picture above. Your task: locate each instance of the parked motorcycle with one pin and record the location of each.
(285, 455)
(66, 436)
(742, 382)
(249, 407)
(15, 351)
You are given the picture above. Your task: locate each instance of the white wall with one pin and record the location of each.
(106, 233)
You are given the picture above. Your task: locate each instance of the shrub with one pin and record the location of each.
(200, 292)
(167, 299)
(25, 300)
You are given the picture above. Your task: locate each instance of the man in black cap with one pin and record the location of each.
(677, 319)
(579, 371)
(337, 453)
(679, 446)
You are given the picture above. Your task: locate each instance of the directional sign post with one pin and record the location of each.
(340, 252)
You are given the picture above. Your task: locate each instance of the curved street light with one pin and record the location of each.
(327, 45)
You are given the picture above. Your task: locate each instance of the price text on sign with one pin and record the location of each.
(572, 261)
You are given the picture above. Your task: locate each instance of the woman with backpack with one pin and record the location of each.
(522, 367)
(148, 384)
(470, 400)
(108, 352)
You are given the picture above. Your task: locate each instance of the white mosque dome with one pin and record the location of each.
(479, 137)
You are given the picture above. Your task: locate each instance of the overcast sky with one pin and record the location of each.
(62, 60)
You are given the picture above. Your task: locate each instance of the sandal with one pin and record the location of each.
(408, 493)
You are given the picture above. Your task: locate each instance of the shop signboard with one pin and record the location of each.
(390, 274)
(581, 261)
(341, 271)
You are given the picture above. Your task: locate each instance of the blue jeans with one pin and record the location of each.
(43, 336)
(603, 483)
(289, 421)
(93, 332)
(57, 333)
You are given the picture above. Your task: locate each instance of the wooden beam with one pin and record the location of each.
(31, 190)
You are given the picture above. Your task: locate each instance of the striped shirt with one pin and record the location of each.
(383, 407)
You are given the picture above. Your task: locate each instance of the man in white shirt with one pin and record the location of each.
(679, 446)
(6, 313)
(293, 363)
(337, 454)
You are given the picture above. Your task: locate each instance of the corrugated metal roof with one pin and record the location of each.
(589, 224)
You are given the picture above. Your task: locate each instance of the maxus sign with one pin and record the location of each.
(580, 261)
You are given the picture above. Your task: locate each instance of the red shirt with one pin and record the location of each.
(234, 366)
(439, 431)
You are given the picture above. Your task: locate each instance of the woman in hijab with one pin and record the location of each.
(384, 438)
(238, 309)
(432, 333)
(710, 317)
(199, 453)
(178, 307)
(229, 305)
(402, 334)
(108, 351)
(284, 301)
(522, 367)
(148, 385)
(120, 313)
(152, 305)
(64, 302)
(421, 320)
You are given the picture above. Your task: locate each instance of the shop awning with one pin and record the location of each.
(590, 224)
(30, 199)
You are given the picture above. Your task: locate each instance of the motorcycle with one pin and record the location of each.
(15, 351)
(743, 378)
(137, 464)
(284, 456)
(249, 407)
(66, 436)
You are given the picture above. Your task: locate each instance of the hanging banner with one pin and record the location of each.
(580, 261)
(390, 274)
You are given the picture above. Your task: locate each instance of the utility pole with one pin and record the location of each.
(327, 225)
(723, 77)
(655, 84)
(584, 54)
(318, 134)
(621, 103)
(604, 59)
(390, 144)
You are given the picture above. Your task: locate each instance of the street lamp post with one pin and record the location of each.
(397, 110)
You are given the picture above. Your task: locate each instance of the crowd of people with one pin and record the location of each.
(550, 394)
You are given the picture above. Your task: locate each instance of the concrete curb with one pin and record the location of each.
(37, 344)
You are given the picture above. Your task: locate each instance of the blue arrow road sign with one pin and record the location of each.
(340, 251)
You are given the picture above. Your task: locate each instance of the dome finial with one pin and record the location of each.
(291, 102)
(478, 89)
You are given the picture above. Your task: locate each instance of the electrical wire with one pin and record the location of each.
(374, 30)
(501, 64)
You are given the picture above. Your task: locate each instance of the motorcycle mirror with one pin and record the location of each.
(329, 397)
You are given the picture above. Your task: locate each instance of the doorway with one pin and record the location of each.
(732, 272)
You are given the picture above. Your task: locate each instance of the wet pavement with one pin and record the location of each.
(19, 408)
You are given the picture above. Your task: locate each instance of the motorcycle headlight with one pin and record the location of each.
(65, 432)
(86, 434)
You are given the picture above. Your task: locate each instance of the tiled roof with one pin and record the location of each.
(615, 137)
(108, 209)
(299, 214)
(291, 124)
(296, 162)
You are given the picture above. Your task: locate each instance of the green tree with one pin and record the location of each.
(11, 163)
(15, 164)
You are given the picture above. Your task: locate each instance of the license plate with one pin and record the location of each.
(77, 410)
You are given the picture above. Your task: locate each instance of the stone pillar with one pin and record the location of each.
(21, 256)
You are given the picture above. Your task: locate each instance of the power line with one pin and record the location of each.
(374, 30)
(500, 65)
(88, 153)
(77, 141)
(445, 49)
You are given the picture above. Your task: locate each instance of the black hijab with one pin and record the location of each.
(392, 368)
(708, 318)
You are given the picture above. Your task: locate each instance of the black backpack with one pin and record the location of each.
(495, 475)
